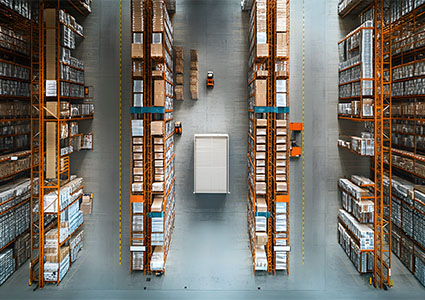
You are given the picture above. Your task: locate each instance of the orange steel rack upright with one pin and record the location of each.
(383, 76)
(148, 139)
(37, 145)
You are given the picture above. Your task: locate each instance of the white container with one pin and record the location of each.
(211, 163)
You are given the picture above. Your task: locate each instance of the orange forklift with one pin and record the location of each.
(178, 128)
(210, 79)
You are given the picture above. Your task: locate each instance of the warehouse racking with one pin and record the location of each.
(406, 160)
(397, 135)
(268, 136)
(15, 155)
(58, 102)
(152, 188)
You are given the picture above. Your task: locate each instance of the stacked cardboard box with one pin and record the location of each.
(76, 243)
(179, 68)
(137, 182)
(281, 156)
(194, 74)
(137, 231)
(22, 249)
(57, 265)
(87, 204)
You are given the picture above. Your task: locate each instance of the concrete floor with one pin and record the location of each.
(209, 256)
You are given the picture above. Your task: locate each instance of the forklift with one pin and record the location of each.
(178, 128)
(210, 79)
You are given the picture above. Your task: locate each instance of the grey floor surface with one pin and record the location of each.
(209, 256)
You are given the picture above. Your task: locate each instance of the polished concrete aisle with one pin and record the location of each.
(209, 256)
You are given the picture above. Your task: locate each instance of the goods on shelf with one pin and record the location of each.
(87, 204)
(76, 243)
(13, 41)
(7, 265)
(22, 249)
(69, 193)
(346, 6)
(357, 201)
(363, 145)
(14, 210)
(14, 163)
(361, 232)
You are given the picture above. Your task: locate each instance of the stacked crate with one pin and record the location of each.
(179, 69)
(194, 74)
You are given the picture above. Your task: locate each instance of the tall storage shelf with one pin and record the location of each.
(58, 99)
(153, 191)
(398, 166)
(16, 23)
(356, 104)
(268, 136)
(408, 149)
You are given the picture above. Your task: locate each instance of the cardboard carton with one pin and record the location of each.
(261, 238)
(260, 92)
(159, 93)
(179, 79)
(193, 55)
(156, 50)
(157, 128)
(137, 50)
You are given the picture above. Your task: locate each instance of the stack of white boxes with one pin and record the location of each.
(363, 232)
(157, 130)
(260, 156)
(137, 244)
(157, 219)
(261, 236)
(157, 259)
(137, 183)
(76, 243)
(53, 269)
(281, 155)
(281, 246)
(7, 265)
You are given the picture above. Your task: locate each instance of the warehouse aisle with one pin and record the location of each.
(209, 256)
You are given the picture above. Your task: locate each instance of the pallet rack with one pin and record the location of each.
(15, 40)
(152, 192)
(407, 150)
(57, 98)
(268, 136)
(381, 123)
